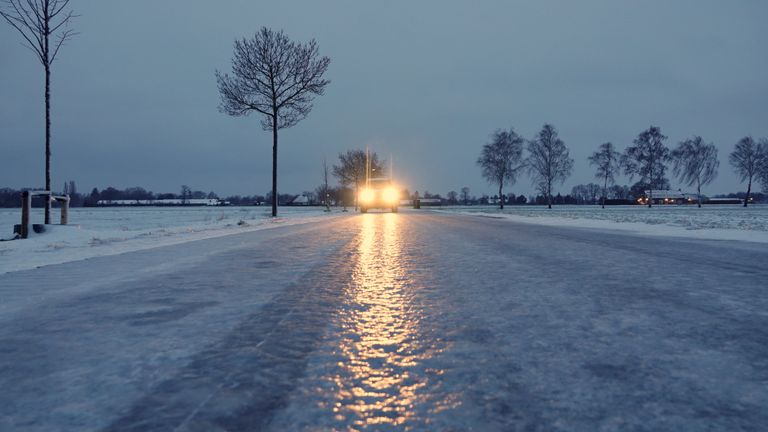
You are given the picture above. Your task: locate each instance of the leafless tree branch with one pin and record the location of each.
(695, 163)
(548, 161)
(750, 161)
(502, 159)
(647, 158)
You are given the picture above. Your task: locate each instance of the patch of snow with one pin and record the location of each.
(722, 222)
(108, 231)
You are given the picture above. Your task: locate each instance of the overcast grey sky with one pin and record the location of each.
(135, 98)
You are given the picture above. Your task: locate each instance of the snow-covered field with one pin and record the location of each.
(107, 231)
(722, 222)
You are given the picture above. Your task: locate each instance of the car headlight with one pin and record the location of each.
(391, 195)
(366, 195)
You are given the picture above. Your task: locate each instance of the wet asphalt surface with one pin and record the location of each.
(411, 321)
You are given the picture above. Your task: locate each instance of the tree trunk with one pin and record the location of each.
(605, 191)
(749, 190)
(549, 196)
(47, 141)
(501, 197)
(650, 189)
(698, 194)
(274, 165)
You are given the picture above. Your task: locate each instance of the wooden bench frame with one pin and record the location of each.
(26, 208)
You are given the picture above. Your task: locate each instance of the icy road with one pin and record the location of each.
(392, 322)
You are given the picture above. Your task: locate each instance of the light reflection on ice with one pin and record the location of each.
(382, 344)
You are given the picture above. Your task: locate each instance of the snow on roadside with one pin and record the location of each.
(110, 231)
(720, 223)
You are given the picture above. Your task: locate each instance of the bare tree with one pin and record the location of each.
(579, 193)
(351, 170)
(620, 192)
(606, 159)
(465, 195)
(647, 159)
(749, 160)
(592, 190)
(501, 160)
(549, 161)
(186, 192)
(453, 197)
(277, 78)
(39, 21)
(695, 163)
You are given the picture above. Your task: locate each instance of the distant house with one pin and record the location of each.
(662, 196)
(163, 202)
(301, 200)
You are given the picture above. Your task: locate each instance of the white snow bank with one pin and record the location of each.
(713, 223)
(109, 231)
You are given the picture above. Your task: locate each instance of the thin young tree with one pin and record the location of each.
(592, 190)
(579, 193)
(548, 161)
(620, 192)
(275, 77)
(465, 195)
(695, 163)
(453, 197)
(647, 158)
(749, 159)
(351, 170)
(44, 26)
(186, 193)
(501, 160)
(606, 160)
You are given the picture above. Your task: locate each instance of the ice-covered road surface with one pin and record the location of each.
(392, 322)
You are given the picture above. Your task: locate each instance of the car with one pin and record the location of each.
(379, 193)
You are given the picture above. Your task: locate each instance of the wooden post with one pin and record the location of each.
(64, 202)
(26, 208)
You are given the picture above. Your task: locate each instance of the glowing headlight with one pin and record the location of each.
(366, 195)
(391, 195)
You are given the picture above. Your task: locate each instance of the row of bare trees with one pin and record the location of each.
(694, 162)
(548, 162)
(279, 79)
(271, 75)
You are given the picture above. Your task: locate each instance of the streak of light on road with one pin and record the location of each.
(378, 383)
